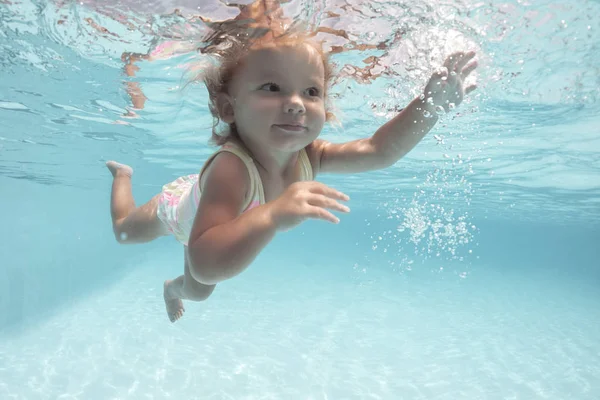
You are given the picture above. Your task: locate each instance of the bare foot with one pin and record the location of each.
(118, 168)
(174, 305)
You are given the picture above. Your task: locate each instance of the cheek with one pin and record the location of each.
(318, 112)
(263, 104)
(256, 112)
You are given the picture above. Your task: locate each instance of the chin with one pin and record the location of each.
(292, 142)
(289, 146)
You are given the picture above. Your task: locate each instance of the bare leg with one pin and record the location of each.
(133, 88)
(184, 287)
(138, 98)
(131, 224)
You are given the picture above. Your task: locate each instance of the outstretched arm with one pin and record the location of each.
(402, 133)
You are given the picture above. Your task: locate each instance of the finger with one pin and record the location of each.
(468, 69)
(464, 60)
(321, 188)
(452, 59)
(469, 89)
(327, 202)
(321, 213)
(440, 73)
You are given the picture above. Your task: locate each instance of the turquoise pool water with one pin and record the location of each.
(469, 270)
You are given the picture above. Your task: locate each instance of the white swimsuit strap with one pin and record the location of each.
(255, 181)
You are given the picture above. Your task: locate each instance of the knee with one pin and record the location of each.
(203, 273)
(120, 235)
(201, 277)
(197, 291)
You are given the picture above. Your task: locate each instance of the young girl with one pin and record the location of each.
(270, 89)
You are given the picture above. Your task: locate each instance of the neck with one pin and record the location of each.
(273, 163)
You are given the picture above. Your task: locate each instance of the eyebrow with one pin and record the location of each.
(271, 73)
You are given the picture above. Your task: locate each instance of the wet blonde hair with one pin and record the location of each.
(230, 42)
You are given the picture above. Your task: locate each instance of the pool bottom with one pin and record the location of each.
(317, 332)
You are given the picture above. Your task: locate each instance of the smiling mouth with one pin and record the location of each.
(291, 128)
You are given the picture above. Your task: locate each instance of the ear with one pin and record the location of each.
(225, 106)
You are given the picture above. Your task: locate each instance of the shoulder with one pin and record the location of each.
(226, 171)
(224, 187)
(224, 180)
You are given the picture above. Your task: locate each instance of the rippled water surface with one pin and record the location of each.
(526, 140)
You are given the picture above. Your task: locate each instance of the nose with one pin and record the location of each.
(294, 105)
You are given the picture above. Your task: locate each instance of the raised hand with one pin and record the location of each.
(446, 86)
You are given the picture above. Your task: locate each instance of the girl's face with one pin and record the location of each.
(276, 97)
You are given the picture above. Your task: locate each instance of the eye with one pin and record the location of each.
(270, 87)
(313, 92)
